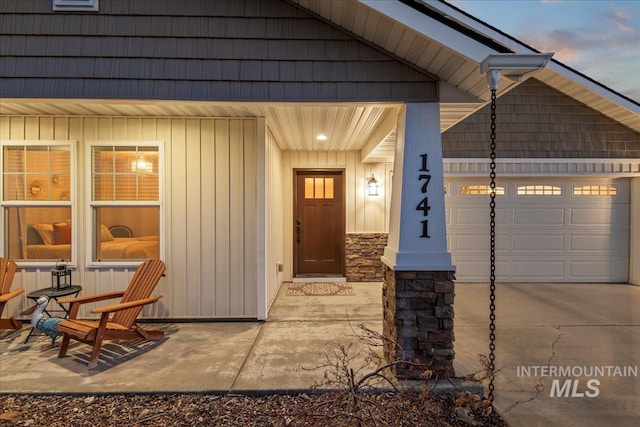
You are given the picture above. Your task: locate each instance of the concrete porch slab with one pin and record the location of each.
(561, 325)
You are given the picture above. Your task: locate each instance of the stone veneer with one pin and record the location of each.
(418, 321)
(363, 252)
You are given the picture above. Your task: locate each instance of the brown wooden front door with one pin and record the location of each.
(319, 223)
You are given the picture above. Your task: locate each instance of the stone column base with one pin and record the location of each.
(418, 321)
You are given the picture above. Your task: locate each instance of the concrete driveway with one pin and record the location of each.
(567, 354)
(575, 327)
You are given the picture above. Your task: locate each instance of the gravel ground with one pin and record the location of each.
(339, 408)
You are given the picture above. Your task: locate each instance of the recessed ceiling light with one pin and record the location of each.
(321, 137)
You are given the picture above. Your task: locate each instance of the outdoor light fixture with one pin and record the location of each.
(515, 67)
(372, 185)
(321, 137)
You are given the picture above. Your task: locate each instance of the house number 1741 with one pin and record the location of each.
(423, 206)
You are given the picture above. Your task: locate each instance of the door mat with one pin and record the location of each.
(320, 289)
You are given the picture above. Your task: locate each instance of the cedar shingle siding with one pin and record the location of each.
(537, 121)
(194, 50)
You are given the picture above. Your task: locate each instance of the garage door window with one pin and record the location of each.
(595, 190)
(538, 190)
(480, 190)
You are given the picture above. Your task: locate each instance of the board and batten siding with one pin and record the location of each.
(275, 255)
(210, 210)
(364, 214)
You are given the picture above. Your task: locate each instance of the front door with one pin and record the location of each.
(319, 223)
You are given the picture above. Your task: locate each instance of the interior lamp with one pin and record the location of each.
(141, 166)
(372, 185)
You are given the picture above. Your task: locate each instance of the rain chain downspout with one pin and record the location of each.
(515, 67)
(492, 233)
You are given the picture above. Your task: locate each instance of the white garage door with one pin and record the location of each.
(547, 230)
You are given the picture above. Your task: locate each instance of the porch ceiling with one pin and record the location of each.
(295, 125)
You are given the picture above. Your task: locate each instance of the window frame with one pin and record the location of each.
(71, 203)
(93, 204)
(474, 190)
(609, 187)
(533, 187)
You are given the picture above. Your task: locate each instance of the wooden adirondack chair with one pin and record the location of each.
(7, 272)
(117, 321)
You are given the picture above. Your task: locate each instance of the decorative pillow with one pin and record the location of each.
(33, 237)
(105, 234)
(62, 233)
(46, 233)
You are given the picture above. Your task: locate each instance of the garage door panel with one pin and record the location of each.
(479, 216)
(538, 242)
(568, 238)
(596, 270)
(600, 243)
(527, 269)
(472, 243)
(598, 216)
(534, 217)
(475, 242)
(475, 270)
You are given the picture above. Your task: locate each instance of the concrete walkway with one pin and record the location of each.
(579, 327)
(195, 357)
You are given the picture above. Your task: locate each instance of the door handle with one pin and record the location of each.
(298, 230)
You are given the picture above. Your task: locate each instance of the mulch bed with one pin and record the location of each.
(336, 408)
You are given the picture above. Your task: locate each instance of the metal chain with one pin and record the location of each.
(492, 276)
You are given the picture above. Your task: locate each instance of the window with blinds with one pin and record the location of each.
(125, 173)
(38, 200)
(125, 195)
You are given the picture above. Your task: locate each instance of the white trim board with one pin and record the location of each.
(459, 167)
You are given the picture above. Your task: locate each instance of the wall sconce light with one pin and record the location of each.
(372, 185)
(141, 166)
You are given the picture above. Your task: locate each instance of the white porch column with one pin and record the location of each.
(417, 233)
(418, 289)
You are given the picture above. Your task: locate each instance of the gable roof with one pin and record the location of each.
(450, 44)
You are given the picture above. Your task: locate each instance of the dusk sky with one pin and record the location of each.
(598, 38)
